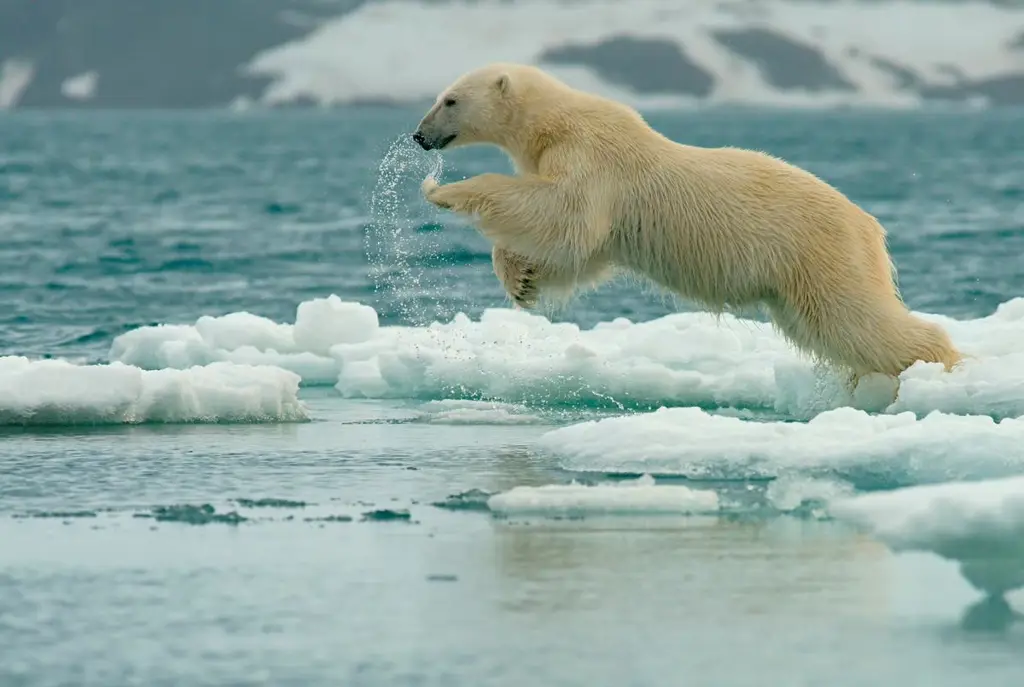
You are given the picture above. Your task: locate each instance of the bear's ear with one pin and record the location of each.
(502, 84)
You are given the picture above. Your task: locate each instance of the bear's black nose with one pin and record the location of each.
(418, 137)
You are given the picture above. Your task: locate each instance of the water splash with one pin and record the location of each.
(395, 237)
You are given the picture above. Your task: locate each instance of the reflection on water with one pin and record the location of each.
(991, 614)
(710, 566)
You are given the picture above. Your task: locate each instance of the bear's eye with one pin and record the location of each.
(449, 102)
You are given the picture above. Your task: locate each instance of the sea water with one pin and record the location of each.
(267, 418)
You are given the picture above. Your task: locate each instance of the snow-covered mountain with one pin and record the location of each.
(214, 53)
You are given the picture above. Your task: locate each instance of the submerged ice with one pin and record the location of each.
(638, 497)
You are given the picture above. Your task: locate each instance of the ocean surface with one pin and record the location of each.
(331, 468)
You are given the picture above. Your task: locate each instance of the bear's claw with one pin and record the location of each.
(526, 291)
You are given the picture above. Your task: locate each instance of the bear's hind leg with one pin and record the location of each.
(864, 339)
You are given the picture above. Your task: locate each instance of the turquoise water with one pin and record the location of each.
(113, 573)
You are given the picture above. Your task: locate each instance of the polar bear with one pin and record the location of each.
(597, 189)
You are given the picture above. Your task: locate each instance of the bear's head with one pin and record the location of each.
(480, 107)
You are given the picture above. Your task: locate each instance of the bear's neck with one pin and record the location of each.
(533, 137)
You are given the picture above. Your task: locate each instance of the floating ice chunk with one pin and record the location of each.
(515, 356)
(980, 525)
(56, 392)
(869, 451)
(164, 345)
(242, 329)
(81, 87)
(639, 497)
(323, 322)
(242, 337)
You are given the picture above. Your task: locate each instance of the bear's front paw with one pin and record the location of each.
(429, 189)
